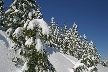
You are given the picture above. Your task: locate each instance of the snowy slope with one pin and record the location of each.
(107, 63)
(102, 69)
(61, 62)
(6, 64)
(4, 61)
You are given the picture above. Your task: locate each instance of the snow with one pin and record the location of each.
(39, 23)
(31, 25)
(91, 68)
(4, 36)
(73, 62)
(52, 20)
(2, 28)
(13, 2)
(12, 5)
(75, 26)
(30, 15)
(29, 42)
(16, 10)
(6, 64)
(26, 23)
(9, 31)
(7, 11)
(78, 65)
(101, 68)
(71, 70)
(39, 44)
(15, 19)
(24, 67)
(106, 63)
(60, 61)
(18, 32)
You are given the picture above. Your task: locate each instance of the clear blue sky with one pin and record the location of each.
(91, 16)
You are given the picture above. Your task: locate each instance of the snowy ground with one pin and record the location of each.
(107, 63)
(61, 62)
(6, 64)
(102, 69)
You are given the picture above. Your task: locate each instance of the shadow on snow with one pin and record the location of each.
(4, 39)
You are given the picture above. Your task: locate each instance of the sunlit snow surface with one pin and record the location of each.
(102, 69)
(6, 64)
(61, 62)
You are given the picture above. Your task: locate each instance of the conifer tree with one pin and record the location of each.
(70, 42)
(65, 28)
(90, 56)
(56, 36)
(65, 39)
(61, 37)
(75, 40)
(52, 28)
(19, 19)
(1, 12)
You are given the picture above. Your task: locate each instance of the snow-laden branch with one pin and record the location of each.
(40, 23)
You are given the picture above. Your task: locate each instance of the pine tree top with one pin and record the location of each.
(52, 20)
(75, 25)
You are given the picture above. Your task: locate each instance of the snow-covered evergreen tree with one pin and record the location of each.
(52, 28)
(36, 32)
(1, 12)
(75, 40)
(52, 23)
(65, 40)
(65, 28)
(93, 52)
(25, 26)
(70, 42)
(90, 56)
(56, 36)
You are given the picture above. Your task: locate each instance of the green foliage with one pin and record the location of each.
(69, 41)
(21, 12)
(35, 60)
(2, 13)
